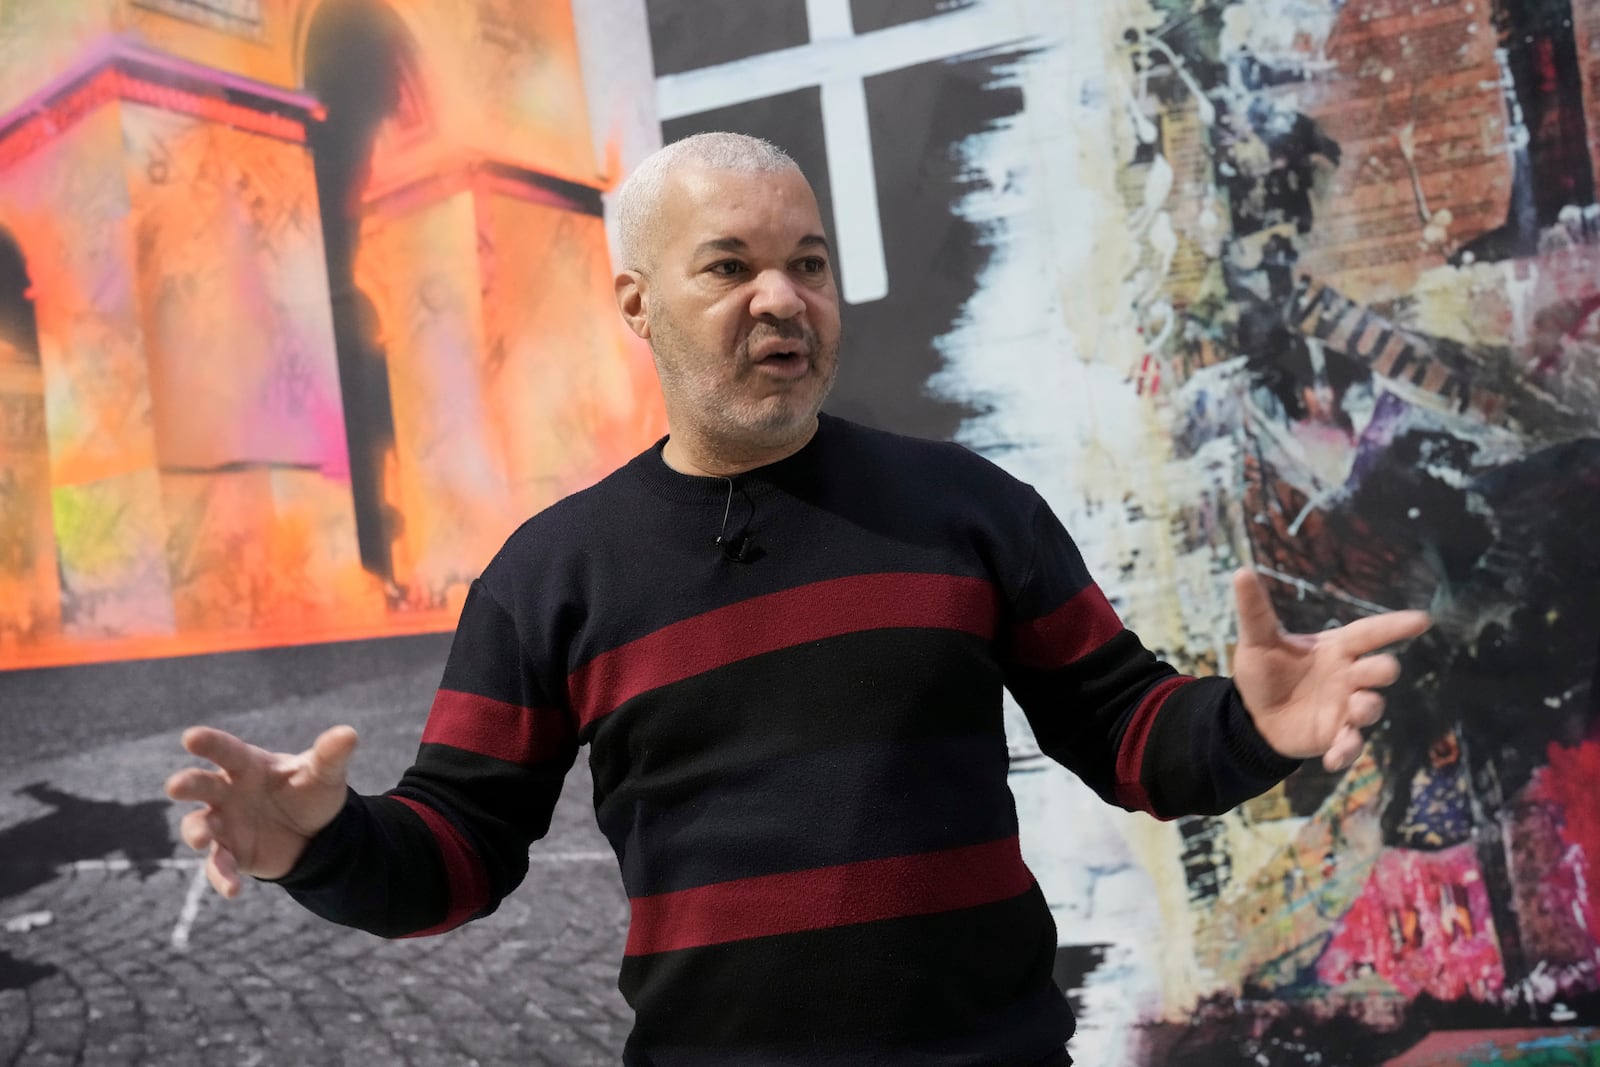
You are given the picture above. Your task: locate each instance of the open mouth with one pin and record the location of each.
(784, 358)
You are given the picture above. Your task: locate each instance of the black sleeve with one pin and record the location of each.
(451, 840)
(1135, 730)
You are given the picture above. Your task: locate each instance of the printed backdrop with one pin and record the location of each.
(304, 305)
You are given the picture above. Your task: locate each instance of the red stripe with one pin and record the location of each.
(776, 621)
(1068, 633)
(469, 885)
(494, 728)
(1130, 757)
(827, 897)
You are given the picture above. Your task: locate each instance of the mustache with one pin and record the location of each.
(787, 330)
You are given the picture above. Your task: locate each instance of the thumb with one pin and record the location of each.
(1258, 622)
(329, 758)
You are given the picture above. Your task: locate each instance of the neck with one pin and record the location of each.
(689, 453)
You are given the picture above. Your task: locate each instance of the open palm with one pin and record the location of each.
(1311, 694)
(261, 808)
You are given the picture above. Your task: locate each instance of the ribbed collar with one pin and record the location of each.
(793, 473)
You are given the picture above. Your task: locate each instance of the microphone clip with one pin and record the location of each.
(740, 548)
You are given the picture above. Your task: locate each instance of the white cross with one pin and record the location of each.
(839, 61)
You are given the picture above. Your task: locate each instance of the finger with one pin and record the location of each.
(223, 749)
(1258, 622)
(1365, 708)
(329, 759)
(195, 830)
(1377, 631)
(1344, 750)
(1374, 672)
(222, 871)
(205, 787)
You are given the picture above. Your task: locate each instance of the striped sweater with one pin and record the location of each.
(797, 750)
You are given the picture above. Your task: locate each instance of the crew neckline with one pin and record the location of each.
(652, 469)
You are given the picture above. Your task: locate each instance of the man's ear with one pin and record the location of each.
(633, 301)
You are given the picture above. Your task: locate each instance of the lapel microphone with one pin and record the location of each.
(740, 548)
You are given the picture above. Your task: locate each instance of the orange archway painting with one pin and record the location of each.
(303, 307)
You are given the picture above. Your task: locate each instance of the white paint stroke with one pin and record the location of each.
(191, 909)
(839, 61)
(853, 178)
(829, 18)
(613, 38)
(852, 173)
(1048, 349)
(570, 857)
(29, 921)
(981, 28)
(1314, 504)
(1304, 587)
(118, 865)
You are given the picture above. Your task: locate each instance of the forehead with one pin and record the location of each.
(770, 207)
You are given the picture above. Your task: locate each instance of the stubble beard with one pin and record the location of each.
(720, 409)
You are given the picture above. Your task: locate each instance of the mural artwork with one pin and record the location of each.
(304, 306)
(1376, 236)
(1359, 244)
(282, 357)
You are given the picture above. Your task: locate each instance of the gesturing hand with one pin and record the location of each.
(1310, 694)
(261, 808)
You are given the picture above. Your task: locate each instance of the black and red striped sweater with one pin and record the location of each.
(798, 756)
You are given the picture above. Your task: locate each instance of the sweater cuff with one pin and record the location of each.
(326, 851)
(1251, 751)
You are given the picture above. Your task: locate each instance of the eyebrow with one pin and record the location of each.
(737, 245)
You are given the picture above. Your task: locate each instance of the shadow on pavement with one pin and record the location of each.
(32, 853)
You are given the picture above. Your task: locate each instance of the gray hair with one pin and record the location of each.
(639, 199)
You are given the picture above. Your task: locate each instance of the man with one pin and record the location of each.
(784, 639)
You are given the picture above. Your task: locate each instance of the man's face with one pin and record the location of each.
(739, 305)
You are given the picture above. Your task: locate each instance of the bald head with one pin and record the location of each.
(640, 200)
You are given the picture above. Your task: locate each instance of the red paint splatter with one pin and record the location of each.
(1422, 923)
(1572, 781)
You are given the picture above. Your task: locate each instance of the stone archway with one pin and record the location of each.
(29, 585)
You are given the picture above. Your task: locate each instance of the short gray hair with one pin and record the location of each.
(639, 199)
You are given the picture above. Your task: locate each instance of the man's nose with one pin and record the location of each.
(775, 296)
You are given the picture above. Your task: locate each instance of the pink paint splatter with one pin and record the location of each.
(1422, 923)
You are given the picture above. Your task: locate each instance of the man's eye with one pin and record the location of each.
(813, 265)
(727, 268)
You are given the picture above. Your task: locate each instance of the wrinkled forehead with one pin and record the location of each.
(762, 209)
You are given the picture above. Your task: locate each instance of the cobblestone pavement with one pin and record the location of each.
(114, 952)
